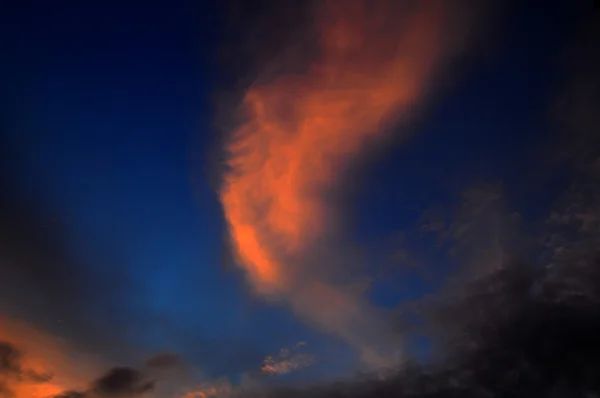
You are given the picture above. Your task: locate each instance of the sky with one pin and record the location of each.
(144, 215)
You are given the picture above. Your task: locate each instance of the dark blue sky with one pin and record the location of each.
(115, 115)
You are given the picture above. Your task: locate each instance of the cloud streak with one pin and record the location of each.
(287, 360)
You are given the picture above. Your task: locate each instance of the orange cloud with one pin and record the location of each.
(218, 388)
(377, 60)
(55, 367)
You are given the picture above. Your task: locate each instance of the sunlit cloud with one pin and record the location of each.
(287, 360)
(376, 63)
(40, 365)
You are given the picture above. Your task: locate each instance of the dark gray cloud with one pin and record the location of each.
(505, 334)
(122, 380)
(117, 382)
(9, 359)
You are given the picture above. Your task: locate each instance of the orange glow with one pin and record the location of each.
(44, 355)
(37, 390)
(376, 62)
(220, 388)
(281, 161)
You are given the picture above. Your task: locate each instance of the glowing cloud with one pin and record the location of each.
(288, 360)
(375, 64)
(41, 365)
(220, 388)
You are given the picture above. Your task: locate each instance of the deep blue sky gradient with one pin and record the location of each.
(116, 103)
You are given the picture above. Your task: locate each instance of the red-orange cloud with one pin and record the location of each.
(377, 60)
(43, 354)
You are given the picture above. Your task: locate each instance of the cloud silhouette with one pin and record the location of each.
(117, 382)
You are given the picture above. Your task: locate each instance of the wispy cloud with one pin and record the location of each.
(288, 360)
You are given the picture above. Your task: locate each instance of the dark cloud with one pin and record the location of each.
(122, 380)
(10, 368)
(9, 359)
(117, 382)
(515, 332)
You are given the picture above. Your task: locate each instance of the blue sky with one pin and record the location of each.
(116, 104)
